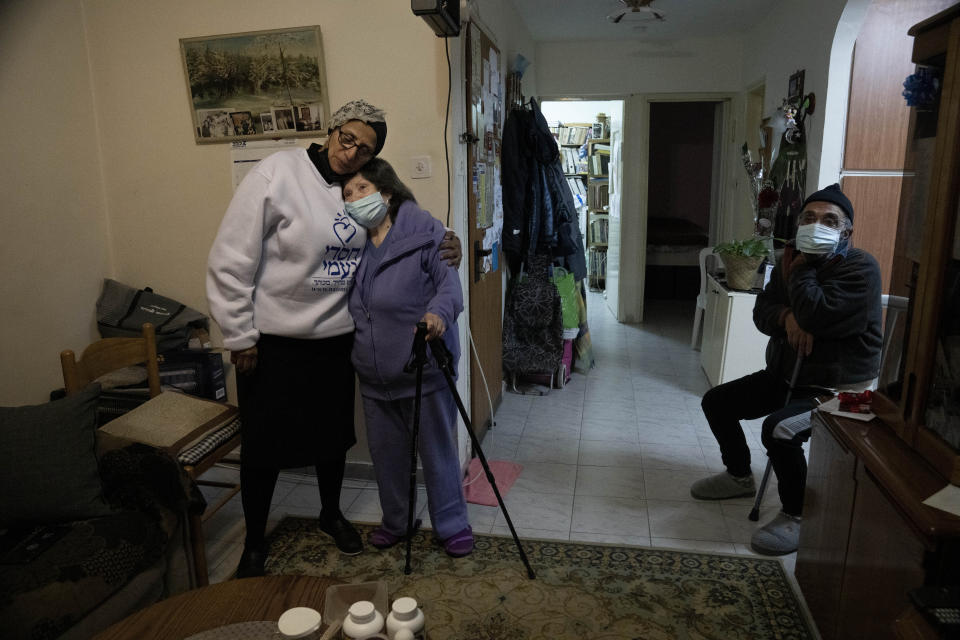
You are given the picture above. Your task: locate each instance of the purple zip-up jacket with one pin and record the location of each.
(410, 280)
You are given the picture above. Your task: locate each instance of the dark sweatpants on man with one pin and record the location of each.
(755, 396)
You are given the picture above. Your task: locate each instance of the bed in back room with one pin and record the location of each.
(673, 252)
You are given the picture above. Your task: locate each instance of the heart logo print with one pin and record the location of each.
(344, 229)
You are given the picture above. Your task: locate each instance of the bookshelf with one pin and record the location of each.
(570, 137)
(598, 211)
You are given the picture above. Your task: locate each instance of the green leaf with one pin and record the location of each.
(751, 247)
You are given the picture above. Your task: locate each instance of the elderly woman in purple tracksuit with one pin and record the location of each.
(402, 281)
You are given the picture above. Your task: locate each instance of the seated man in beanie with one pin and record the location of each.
(822, 303)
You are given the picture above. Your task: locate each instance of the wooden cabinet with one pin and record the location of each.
(922, 397)
(828, 509)
(866, 538)
(732, 346)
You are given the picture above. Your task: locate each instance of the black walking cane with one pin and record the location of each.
(755, 512)
(445, 360)
(416, 362)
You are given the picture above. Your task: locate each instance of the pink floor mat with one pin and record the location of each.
(479, 491)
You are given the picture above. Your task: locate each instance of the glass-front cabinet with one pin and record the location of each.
(920, 381)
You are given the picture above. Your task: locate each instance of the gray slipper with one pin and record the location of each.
(778, 537)
(723, 486)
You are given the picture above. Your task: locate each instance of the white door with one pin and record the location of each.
(612, 291)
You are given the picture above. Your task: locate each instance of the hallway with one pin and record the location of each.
(608, 458)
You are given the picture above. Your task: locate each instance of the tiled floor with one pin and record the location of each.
(608, 458)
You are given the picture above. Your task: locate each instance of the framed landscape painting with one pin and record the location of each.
(256, 85)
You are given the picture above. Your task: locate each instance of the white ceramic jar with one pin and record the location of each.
(404, 614)
(302, 623)
(362, 621)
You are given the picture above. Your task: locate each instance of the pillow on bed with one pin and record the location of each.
(48, 466)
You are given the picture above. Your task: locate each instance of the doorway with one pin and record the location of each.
(636, 187)
(679, 197)
(595, 179)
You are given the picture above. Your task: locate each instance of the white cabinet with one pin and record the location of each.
(732, 346)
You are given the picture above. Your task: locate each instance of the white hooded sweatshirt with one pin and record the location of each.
(285, 256)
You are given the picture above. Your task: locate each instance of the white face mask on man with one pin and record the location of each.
(368, 211)
(817, 239)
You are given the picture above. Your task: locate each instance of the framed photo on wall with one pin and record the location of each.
(795, 88)
(256, 85)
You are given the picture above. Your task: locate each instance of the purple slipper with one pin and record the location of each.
(383, 539)
(459, 544)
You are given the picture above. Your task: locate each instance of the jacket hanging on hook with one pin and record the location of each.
(539, 215)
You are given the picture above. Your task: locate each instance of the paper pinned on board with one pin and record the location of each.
(947, 499)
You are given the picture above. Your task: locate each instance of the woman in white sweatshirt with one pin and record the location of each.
(278, 276)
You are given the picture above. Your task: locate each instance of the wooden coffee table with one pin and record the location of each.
(221, 604)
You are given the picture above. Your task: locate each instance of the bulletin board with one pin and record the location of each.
(485, 97)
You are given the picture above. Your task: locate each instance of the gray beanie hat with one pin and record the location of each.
(365, 112)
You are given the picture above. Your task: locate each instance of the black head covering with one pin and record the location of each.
(833, 195)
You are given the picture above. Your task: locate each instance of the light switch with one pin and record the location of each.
(420, 167)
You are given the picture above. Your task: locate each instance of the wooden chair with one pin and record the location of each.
(110, 354)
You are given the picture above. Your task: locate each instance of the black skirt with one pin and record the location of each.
(296, 407)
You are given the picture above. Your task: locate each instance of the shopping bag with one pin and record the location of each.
(567, 287)
(122, 310)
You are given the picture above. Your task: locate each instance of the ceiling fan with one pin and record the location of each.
(637, 6)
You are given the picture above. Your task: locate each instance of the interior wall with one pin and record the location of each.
(574, 110)
(790, 39)
(166, 194)
(147, 213)
(503, 24)
(55, 248)
(768, 52)
(114, 185)
(612, 67)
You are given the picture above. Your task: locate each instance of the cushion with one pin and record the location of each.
(211, 442)
(172, 421)
(48, 464)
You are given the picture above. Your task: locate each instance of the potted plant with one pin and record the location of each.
(741, 259)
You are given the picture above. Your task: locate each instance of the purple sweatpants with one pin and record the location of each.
(389, 427)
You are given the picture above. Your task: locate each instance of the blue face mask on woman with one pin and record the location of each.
(368, 211)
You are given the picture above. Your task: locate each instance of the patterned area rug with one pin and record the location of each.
(582, 591)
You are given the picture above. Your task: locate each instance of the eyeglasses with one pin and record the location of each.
(349, 141)
(828, 219)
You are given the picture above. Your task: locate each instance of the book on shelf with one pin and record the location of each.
(599, 230)
(570, 160)
(596, 265)
(573, 134)
(599, 164)
(578, 190)
(573, 163)
(598, 195)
